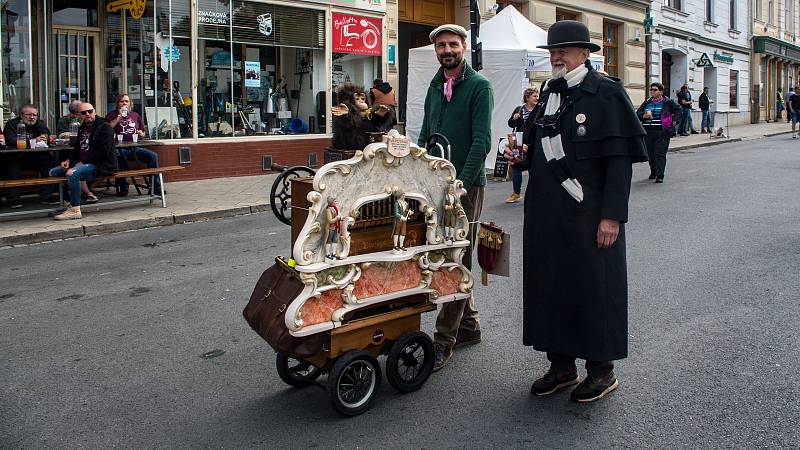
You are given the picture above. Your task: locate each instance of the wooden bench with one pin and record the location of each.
(61, 181)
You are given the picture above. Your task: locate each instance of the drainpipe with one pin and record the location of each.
(753, 70)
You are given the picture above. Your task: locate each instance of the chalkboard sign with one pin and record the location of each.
(500, 163)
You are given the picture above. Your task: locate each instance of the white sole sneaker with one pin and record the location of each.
(605, 392)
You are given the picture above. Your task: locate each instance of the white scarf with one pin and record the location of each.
(552, 146)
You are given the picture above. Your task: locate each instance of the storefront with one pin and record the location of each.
(777, 63)
(234, 84)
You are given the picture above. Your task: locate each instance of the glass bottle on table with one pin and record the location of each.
(73, 133)
(22, 136)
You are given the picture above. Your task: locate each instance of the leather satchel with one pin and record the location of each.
(266, 311)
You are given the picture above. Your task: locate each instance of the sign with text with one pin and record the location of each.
(356, 34)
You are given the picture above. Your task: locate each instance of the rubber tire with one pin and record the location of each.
(290, 377)
(393, 361)
(334, 379)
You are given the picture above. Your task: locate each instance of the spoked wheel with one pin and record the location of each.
(410, 361)
(280, 196)
(296, 372)
(353, 382)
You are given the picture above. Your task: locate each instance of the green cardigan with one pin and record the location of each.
(466, 122)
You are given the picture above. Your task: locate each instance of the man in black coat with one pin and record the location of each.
(584, 137)
(94, 154)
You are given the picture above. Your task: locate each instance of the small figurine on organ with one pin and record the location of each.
(401, 215)
(450, 215)
(333, 229)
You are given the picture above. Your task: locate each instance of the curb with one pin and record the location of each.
(128, 225)
(726, 141)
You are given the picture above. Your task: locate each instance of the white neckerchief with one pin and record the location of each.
(552, 146)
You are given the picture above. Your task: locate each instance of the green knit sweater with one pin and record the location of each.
(466, 122)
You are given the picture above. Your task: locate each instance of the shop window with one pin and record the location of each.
(261, 69)
(16, 45)
(734, 89)
(611, 48)
(168, 102)
(78, 13)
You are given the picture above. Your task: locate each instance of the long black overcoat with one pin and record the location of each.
(576, 295)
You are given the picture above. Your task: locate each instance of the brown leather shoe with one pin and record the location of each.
(467, 337)
(552, 382)
(594, 388)
(442, 354)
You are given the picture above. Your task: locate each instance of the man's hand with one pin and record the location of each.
(141, 133)
(65, 164)
(2, 139)
(41, 138)
(607, 233)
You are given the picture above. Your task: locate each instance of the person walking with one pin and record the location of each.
(705, 107)
(685, 100)
(794, 109)
(658, 115)
(517, 121)
(459, 105)
(779, 104)
(787, 99)
(583, 139)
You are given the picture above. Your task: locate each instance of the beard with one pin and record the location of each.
(559, 71)
(450, 60)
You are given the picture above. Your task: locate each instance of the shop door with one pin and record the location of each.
(76, 64)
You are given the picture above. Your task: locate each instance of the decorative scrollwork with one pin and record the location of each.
(280, 195)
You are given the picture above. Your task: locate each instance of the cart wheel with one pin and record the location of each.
(410, 361)
(353, 382)
(296, 372)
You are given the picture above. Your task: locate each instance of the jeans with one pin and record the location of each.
(778, 109)
(686, 121)
(516, 179)
(706, 124)
(657, 147)
(84, 172)
(140, 154)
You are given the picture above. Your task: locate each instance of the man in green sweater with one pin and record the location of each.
(459, 106)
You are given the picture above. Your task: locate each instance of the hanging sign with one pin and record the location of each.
(355, 34)
(134, 7)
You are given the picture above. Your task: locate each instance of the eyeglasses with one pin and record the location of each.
(87, 112)
(655, 89)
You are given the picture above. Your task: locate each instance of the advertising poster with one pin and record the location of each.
(252, 74)
(356, 34)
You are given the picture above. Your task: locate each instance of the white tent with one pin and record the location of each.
(509, 50)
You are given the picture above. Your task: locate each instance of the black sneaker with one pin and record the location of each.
(552, 382)
(14, 204)
(467, 337)
(659, 179)
(594, 388)
(442, 354)
(652, 176)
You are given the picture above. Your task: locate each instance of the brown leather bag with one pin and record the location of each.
(265, 312)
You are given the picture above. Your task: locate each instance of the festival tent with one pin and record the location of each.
(509, 51)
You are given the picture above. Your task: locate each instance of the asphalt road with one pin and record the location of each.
(103, 338)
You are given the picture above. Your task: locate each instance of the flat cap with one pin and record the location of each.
(450, 28)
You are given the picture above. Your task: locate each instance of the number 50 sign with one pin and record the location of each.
(356, 34)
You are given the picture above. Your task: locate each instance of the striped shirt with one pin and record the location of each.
(654, 107)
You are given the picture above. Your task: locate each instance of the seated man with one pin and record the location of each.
(15, 163)
(128, 123)
(74, 116)
(94, 154)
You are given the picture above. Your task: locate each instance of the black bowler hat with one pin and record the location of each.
(569, 33)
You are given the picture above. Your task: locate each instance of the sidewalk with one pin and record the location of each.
(192, 201)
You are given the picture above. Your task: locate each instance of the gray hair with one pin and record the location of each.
(74, 106)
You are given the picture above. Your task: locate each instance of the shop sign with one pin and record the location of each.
(134, 7)
(369, 5)
(719, 57)
(356, 34)
(212, 17)
(265, 24)
(704, 61)
(391, 56)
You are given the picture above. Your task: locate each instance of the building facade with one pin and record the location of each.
(703, 43)
(776, 54)
(227, 86)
